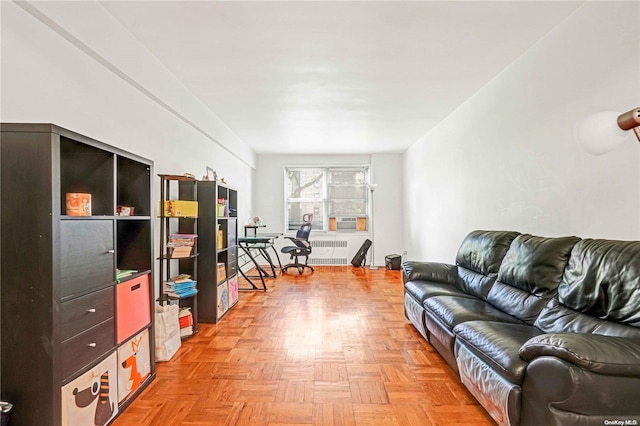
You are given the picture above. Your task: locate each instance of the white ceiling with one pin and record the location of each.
(336, 76)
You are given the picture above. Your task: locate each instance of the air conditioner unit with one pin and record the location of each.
(348, 223)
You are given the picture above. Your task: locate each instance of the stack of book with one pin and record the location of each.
(181, 244)
(180, 286)
(124, 273)
(185, 318)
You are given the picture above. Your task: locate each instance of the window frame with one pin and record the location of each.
(325, 199)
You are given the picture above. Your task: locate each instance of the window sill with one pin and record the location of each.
(330, 233)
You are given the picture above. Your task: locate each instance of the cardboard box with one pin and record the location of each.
(233, 290)
(223, 299)
(78, 204)
(220, 239)
(134, 364)
(180, 208)
(102, 377)
(222, 272)
(124, 210)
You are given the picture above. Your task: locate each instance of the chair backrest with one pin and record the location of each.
(304, 231)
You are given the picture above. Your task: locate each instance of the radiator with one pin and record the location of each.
(328, 243)
(333, 251)
(327, 260)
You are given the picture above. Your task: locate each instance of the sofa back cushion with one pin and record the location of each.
(479, 259)
(600, 290)
(530, 274)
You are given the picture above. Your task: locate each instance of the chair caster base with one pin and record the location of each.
(299, 267)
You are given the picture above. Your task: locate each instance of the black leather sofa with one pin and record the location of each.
(542, 331)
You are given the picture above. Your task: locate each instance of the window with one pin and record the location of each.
(325, 192)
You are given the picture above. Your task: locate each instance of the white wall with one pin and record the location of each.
(506, 159)
(386, 171)
(72, 64)
(387, 213)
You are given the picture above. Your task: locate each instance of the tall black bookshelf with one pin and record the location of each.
(218, 248)
(179, 217)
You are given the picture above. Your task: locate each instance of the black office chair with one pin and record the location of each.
(302, 248)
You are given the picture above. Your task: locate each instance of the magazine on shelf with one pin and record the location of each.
(180, 289)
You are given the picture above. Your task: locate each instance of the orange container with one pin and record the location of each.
(132, 306)
(78, 204)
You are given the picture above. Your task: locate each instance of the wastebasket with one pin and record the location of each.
(5, 412)
(393, 261)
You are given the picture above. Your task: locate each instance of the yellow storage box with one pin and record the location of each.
(180, 208)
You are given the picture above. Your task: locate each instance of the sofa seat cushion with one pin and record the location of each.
(501, 398)
(454, 310)
(414, 311)
(497, 344)
(422, 290)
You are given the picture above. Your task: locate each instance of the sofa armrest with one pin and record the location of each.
(609, 355)
(429, 271)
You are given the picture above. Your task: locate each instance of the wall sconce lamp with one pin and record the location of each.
(602, 132)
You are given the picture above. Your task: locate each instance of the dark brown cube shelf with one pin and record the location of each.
(58, 305)
(211, 309)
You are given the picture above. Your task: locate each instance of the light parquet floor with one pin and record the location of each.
(326, 348)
